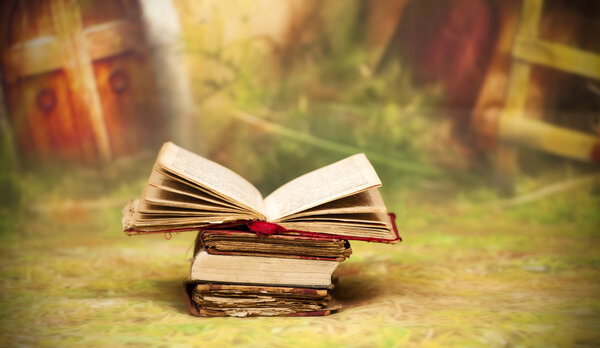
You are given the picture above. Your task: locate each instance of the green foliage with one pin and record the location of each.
(581, 206)
(11, 196)
(327, 91)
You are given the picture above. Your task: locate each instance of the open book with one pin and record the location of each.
(188, 192)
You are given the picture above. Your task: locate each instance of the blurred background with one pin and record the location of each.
(479, 115)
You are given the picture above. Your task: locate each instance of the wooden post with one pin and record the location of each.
(516, 95)
(69, 28)
(557, 56)
(549, 138)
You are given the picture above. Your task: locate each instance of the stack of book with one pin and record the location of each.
(239, 273)
(261, 256)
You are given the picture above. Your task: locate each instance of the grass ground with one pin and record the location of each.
(467, 274)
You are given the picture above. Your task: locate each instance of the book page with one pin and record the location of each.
(168, 183)
(361, 218)
(149, 208)
(156, 196)
(340, 179)
(210, 175)
(349, 230)
(261, 270)
(369, 201)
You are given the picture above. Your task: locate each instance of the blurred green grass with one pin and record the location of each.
(468, 273)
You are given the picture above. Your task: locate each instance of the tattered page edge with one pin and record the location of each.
(188, 288)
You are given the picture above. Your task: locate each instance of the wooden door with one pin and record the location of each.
(76, 78)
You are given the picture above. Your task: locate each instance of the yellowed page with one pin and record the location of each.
(340, 179)
(369, 201)
(132, 218)
(343, 229)
(157, 196)
(197, 221)
(261, 270)
(150, 208)
(212, 176)
(169, 183)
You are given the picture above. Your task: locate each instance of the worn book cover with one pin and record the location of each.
(244, 242)
(209, 300)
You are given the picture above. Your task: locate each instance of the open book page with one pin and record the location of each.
(211, 176)
(369, 201)
(133, 218)
(352, 225)
(166, 183)
(205, 213)
(149, 208)
(157, 196)
(196, 221)
(361, 220)
(351, 232)
(340, 179)
(366, 219)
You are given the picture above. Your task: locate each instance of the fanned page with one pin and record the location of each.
(360, 226)
(362, 216)
(171, 183)
(211, 177)
(338, 180)
(369, 201)
(186, 191)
